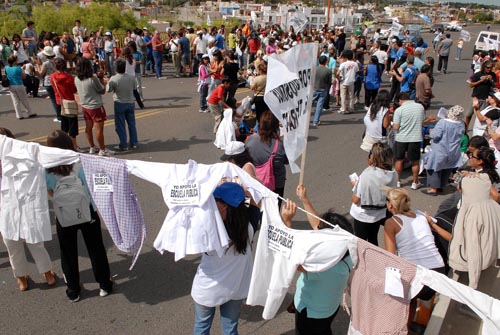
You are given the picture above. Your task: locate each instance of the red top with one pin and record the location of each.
(65, 86)
(217, 95)
(253, 45)
(157, 43)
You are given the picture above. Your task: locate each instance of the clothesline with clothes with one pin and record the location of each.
(193, 225)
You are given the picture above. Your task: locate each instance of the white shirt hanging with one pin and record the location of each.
(24, 208)
(193, 224)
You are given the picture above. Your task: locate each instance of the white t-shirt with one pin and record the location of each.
(348, 70)
(130, 68)
(57, 51)
(281, 249)
(220, 279)
(174, 45)
(480, 127)
(201, 45)
(381, 56)
(374, 128)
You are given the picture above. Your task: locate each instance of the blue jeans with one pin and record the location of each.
(157, 55)
(52, 95)
(203, 97)
(229, 315)
(110, 63)
(319, 96)
(124, 112)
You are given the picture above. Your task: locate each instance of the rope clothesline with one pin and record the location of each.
(311, 214)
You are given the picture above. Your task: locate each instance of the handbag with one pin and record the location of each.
(69, 108)
(265, 172)
(5, 82)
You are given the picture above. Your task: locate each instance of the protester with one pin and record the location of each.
(90, 90)
(377, 120)
(44, 70)
(16, 248)
(373, 80)
(122, 86)
(408, 235)
(262, 145)
(444, 53)
(474, 244)
(224, 281)
(65, 89)
(445, 154)
(318, 295)
(368, 207)
(347, 76)
(322, 83)
(407, 122)
(217, 104)
(491, 110)
(204, 82)
(258, 86)
(67, 234)
(482, 83)
(423, 87)
(18, 94)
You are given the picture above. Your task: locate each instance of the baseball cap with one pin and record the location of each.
(233, 148)
(145, 28)
(230, 193)
(205, 56)
(108, 33)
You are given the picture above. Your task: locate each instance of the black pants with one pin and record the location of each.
(326, 104)
(368, 231)
(308, 326)
(68, 237)
(32, 83)
(260, 106)
(443, 63)
(370, 96)
(395, 88)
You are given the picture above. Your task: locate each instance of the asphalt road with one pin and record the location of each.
(154, 297)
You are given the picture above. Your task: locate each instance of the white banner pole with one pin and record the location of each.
(308, 109)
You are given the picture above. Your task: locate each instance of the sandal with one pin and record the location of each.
(50, 277)
(433, 194)
(22, 283)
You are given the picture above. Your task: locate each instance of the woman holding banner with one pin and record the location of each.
(224, 281)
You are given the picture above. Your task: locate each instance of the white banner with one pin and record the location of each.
(288, 88)
(297, 20)
(465, 35)
(395, 28)
(492, 44)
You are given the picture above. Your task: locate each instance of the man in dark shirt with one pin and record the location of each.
(322, 83)
(482, 83)
(184, 53)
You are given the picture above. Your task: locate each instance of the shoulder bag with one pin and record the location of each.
(69, 108)
(265, 172)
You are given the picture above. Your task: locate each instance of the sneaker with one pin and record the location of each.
(106, 152)
(416, 186)
(118, 148)
(203, 110)
(56, 120)
(398, 184)
(135, 146)
(103, 293)
(93, 150)
(75, 299)
(326, 110)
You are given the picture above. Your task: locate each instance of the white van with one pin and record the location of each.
(483, 44)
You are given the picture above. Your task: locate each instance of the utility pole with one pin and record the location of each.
(328, 14)
(436, 12)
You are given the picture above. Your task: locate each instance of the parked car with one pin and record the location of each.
(437, 26)
(482, 43)
(453, 26)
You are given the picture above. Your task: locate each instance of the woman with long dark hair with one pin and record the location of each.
(68, 234)
(474, 244)
(224, 281)
(258, 87)
(373, 79)
(262, 145)
(377, 120)
(131, 65)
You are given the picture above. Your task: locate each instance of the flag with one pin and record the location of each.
(288, 90)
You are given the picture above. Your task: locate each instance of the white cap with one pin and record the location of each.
(496, 95)
(108, 33)
(48, 51)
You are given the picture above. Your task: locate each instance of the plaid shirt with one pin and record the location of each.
(119, 208)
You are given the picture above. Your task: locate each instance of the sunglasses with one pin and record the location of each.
(470, 154)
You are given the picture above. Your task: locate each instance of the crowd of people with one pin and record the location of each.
(80, 68)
